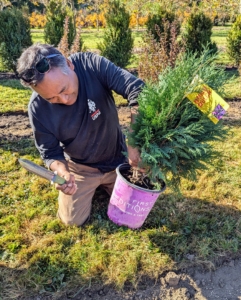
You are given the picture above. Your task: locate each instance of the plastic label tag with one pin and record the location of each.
(208, 101)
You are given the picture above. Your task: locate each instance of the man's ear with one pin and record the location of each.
(69, 63)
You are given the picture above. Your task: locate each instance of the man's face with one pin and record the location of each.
(59, 88)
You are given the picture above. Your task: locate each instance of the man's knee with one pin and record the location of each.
(71, 220)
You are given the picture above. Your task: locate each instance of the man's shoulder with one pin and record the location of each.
(85, 59)
(82, 56)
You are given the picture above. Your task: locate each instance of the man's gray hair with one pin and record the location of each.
(33, 54)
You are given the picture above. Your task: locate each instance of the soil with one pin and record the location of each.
(222, 282)
(137, 178)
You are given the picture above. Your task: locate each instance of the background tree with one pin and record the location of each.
(224, 10)
(97, 6)
(117, 42)
(156, 56)
(198, 33)
(14, 36)
(234, 41)
(156, 25)
(4, 3)
(74, 4)
(137, 7)
(31, 5)
(54, 28)
(94, 10)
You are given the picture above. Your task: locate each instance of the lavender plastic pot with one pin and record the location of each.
(129, 204)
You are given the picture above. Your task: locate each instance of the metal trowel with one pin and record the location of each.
(40, 171)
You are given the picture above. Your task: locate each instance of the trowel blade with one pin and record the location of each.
(40, 171)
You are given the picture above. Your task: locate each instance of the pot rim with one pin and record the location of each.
(127, 166)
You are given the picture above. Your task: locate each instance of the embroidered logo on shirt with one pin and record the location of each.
(92, 110)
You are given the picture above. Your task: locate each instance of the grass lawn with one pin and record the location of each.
(219, 36)
(90, 37)
(39, 254)
(13, 96)
(233, 88)
(220, 33)
(37, 35)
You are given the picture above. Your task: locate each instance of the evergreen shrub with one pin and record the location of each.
(158, 21)
(157, 55)
(234, 41)
(117, 41)
(14, 37)
(173, 136)
(54, 28)
(198, 33)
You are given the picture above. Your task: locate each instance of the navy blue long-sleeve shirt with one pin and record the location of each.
(87, 131)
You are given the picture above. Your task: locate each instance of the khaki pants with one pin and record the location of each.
(75, 209)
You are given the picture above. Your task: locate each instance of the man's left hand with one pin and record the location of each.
(134, 158)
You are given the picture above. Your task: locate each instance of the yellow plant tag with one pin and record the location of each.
(208, 101)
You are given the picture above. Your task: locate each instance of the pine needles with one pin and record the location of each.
(173, 136)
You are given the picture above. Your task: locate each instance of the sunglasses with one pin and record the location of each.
(41, 67)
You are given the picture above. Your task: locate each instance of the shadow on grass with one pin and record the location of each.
(182, 228)
(12, 83)
(234, 122)
(223, 33)
(195, 230)
(12, 286)
(24, 146)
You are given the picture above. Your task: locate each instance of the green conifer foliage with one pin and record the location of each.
(54, 28)
(234, 41)
(14, 36)
(118, 41)
(173, 136)
(156, 24)
(198, 33)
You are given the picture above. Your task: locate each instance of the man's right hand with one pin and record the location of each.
(68, 188)
(61, 167)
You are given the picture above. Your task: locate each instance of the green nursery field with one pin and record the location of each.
(92, 37)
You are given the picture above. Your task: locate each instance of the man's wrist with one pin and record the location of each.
(60, 166)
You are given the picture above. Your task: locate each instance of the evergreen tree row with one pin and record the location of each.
(118, 41)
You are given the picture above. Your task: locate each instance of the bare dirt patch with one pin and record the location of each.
(195, 284)
(222, 282)
(14, 127)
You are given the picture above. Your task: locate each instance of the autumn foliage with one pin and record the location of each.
(37, 20)
(83, 20)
